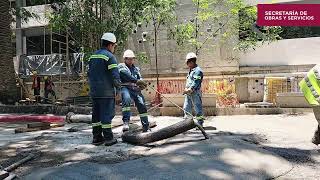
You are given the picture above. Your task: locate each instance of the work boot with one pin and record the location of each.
(110, 142)
(146, 129)
(200, 122)
(125, 127)
(97, 136)
(97, 140)
(316, 137)
(108, 136)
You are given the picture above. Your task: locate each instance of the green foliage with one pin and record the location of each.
(143, 58)
(249, 38)
(160, 12)
(22, 13)
(219, 21)
(87, 20)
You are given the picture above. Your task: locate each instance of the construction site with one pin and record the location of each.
(258, 91)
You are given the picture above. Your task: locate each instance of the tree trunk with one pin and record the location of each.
(8, 89)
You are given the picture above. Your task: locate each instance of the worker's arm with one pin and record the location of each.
(139, 74)
(125, 75)
(197, 77)
(112, 66)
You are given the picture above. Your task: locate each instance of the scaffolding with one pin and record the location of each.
(66, 83)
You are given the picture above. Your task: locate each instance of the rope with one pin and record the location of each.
(170, 101)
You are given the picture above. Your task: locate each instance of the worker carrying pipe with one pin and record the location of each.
(104, 78)
(310, 86)
(132, 84)
(193, 89)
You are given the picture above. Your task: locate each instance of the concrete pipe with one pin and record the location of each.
(164, 133)
(78, 118)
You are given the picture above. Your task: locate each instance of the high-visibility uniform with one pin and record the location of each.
(310, 86)
(104, 78)
(194, 80)
(129, 90)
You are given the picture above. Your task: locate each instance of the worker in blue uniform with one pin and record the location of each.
(104, 81)
(132, 84)
(193, 89)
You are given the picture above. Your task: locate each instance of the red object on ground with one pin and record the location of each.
(31, 118)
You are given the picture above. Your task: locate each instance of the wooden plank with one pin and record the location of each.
(23, 130)
(55, 125)
(3, 174)
(38, 124)
(20, 162)
(11, 176)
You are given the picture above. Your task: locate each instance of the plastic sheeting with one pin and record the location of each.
(53, 64)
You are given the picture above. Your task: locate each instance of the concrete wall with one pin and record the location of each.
(171, 58)
(284, 52)
(242, 89)
(255, 89)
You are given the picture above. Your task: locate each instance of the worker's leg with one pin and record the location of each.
(53, 94)
(316, 136)
(142, 109)
(37, 95)
(197, 100)
(46, 95)
(107, 113)
(96, 123)
(126, 110)
(187, 107)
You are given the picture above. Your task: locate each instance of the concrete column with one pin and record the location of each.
(294, 84)
(20, 40)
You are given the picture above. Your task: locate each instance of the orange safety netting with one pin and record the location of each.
(224, 88)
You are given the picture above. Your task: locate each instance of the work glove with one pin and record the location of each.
(187, 91)
(141, 83)
(142, 87)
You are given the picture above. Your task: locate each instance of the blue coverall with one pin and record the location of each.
(194, 80)
(104, 79)
(129, 90)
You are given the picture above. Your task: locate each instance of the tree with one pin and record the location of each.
(161, 13)
(86, 20)
(220, 20)
(8, 88)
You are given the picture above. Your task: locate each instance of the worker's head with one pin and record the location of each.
(109, 41)
(129, 57)
(46, 77)
(191, 60)
(34, 73)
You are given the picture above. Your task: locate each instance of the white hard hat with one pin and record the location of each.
(190, 56)
(109, 37)
(128, 54)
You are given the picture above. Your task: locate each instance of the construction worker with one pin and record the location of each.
(48, 88)
(310, 86)
(36, 81)
(192, 90)
(132, 84)
(104, 82)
